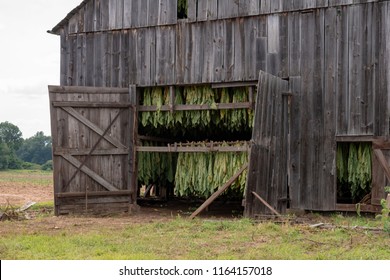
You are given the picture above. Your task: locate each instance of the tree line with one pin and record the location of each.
(18, 153)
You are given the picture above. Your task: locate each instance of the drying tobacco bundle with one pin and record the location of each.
(354, 167)
(201, 174)
(156, 168)
(182, 121)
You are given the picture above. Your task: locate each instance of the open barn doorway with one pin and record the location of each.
(191, 140)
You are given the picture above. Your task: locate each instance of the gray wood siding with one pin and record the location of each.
(232, 50)
(103, 15)
(336, 58)
(91, 130)
(267, 171)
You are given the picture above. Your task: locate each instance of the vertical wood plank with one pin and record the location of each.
(229, 50)
(308, 125)
(133, 135)
(167, 12)
(116, 69)
(151, 13)
(262, 50)
(89, 20)
(296, 112)
(133, 54)
(342, 71)
(192, 10)
(283, 46)
(250, 35)
(65, 57)
(218, 55)
(127, 13)
(294, 43)
(383, 82)
(104, 14)
(99, 59)
(276, 6)
(208, 60)
(265, 7)
(329, 188)
(355, 37)
(227, 9)
(248, 7)
(83, 49)
(239, 50)
(207, 10)
(181, 52)
(165, 55)
(125, 60)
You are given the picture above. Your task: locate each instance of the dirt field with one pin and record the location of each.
(18, 189)
(21, 193)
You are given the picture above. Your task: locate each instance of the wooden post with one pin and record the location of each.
(172, 98)
(133, 121)
(219, 192)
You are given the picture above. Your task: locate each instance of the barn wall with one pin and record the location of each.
(336, 59)
(103, 15)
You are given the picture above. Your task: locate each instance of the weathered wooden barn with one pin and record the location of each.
(321, 70)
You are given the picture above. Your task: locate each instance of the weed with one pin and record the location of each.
(384, 217)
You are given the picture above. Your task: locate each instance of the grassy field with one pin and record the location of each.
(147, 236)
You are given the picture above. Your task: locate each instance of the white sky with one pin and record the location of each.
(29, 61)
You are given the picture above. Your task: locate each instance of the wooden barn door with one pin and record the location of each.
(380, 169)
(93, 134)
(267, 174)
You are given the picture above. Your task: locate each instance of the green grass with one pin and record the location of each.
(72, 238)
(35, 177)
(198, 239)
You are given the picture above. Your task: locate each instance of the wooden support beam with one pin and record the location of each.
(205, 149)
(82, 89)
(172, 98)
(103, 182)
(93, 127)
(235, 84)
(200, 107)
(266, 204)
(155, 139)
(86, 152)
(355, 138)
(86, 104)
(382, 160)
(90, 194)
(363, 208)
(218, 192)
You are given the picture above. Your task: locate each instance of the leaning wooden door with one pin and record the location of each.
(267, 173)
(93, 134)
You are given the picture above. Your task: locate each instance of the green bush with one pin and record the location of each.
(48, 165)
(30, 166)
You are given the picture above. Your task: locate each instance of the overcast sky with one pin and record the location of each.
(29, 60)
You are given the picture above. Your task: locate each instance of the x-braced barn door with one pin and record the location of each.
(267, 173)
(93, 134)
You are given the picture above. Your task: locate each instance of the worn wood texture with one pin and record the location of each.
(335, 55)
(101, 15)
(267, 172)
(91, 143)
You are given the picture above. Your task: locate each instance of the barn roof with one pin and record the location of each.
(56, 29)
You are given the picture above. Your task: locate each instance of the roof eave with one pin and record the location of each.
(56, 29)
